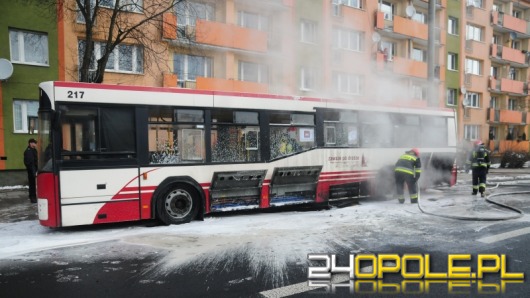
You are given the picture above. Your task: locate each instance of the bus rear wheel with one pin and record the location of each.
(179, 204)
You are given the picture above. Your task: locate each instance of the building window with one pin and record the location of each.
(474, 33)
(253, 72)
(494, 102)
(418, 55)
(350, 3)
(125, 5)
(387, 9)
(471, 132)
(517, 14)
(347, 83)
(389, 48)
(348, 39)
(419, 17)
(452, 61)
(308, 31)
(23, 112)
(252, 20)
(28, 47)
(419, 92)
(512, 104)
(473, 99)
(188, 68)
(494, 70)
(451, 96)
(307, 79)
(473, 66)
(124, 58)
(496, 39)
(475, 3)
(513, 73)
(452, 26)
(188, 12)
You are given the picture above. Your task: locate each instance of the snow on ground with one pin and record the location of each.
(268, 242)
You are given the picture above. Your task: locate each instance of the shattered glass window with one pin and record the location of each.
(235, 136)
(291, 133)
(176, 136)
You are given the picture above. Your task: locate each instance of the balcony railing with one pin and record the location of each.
(509, 22)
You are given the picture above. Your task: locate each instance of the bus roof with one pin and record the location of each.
(59, 91)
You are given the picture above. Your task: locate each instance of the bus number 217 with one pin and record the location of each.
(76, 94)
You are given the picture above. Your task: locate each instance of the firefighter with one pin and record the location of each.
(408, 170)
(479, 160)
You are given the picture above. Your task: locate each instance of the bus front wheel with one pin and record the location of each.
(179, 204)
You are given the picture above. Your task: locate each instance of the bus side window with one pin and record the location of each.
(340, 129)
(291, 133)
(176, 136)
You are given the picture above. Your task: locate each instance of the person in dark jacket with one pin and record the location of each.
(408, 170)
(479, 160)
(31, 162)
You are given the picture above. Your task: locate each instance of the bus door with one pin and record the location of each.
(98, 172)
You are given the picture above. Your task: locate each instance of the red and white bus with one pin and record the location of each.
(111, 153)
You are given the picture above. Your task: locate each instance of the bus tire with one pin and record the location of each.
(178, 204)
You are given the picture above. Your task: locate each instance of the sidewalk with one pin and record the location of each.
(15, 205)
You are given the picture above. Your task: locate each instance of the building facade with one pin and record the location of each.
(361, 50)
(28, 39)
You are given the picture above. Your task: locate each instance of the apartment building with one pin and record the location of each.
(360, 50)
(310, 48)
(28, 42)
(508, 37)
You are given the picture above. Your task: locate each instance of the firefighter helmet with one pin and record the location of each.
(478, 143)
(416, 151)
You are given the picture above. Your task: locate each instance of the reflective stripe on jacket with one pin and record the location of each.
(409, 163)
(479, 158)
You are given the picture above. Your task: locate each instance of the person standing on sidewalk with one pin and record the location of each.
(479, 160)
(31, 162)
(408, 170)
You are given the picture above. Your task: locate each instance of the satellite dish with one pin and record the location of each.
(465, 102)
(463, 90)
(513, 35)
(6, 69)
(376, 37)
(410, 11)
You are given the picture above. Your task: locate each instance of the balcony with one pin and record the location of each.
(230, 36)
(507, 116)
(516, 88)
(506, 23)
(514, 56)
(512, 117)
(351, 17)
(477, 48)
(513, 87)
(477, 14)
(403, 27)
(516, 146)
(231, 85)
(403, 66)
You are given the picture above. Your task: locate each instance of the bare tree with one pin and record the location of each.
(118, 21)
(111, 23)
